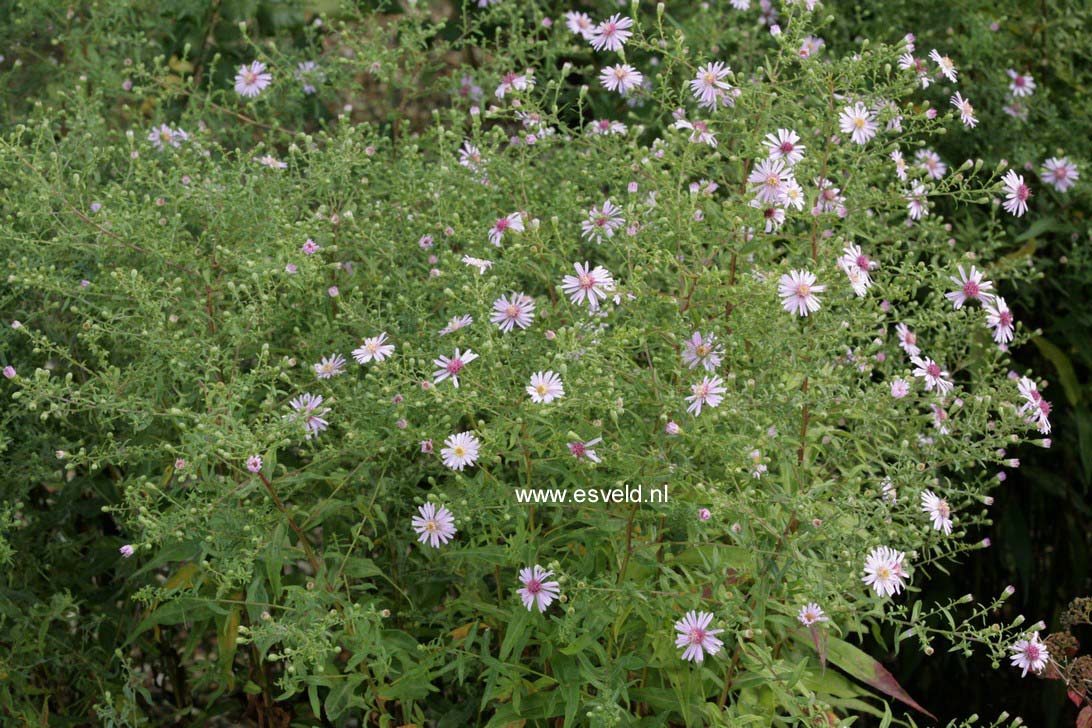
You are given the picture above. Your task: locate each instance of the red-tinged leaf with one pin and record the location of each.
(1084, 718)
(858, 664)
(1075, 697)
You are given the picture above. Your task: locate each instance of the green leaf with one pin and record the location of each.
(1066, 375)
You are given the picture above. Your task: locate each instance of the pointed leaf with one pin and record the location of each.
(863, 667)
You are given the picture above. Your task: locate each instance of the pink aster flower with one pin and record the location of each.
(810, 614)
(709, 391)
(127, 550)
(309, 247)
(621, 77)
(768, 176)
(969, 286)
(1029, 654)
(309, 75)
(708, 85)
(450, 368)
(704, 514)
(330, 366)
(931, 163)
(702, 350)
(938, 510)
(515, 310)
(514, 82)
(545, 387)
(830, 198)
(456, 323)
(606, 126)
(580, 24)
(612, 33)
(785, 145)
(857, 266)
(966, 111)
(9, 372)
(252, 79)
(434, 526)
(1034, 403)
(933, 374)
(797, 290)
(374, 349)
(696, 637)
(582, 450)
(602, 222)
(480, 263)
(461, 450)
(917, 201)
(307, 406)
(900, 164)
(470, 156)
(908, 61)
(588, 285)
(536, 591)
(945, 65)
(1020, 84)
(1060, 173)
(513, 222)
(908, 340)
(858, 122)
(699, 132)
(254, 464)
(1000, 319)
(884, 571)
(899, 388)
(1016, 193)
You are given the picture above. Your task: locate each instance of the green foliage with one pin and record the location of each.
(168, 316)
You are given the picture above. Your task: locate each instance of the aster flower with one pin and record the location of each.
(792, 194)
(1029, 654)
(606, 126)
(330, 366)
(708, 85)
(907, 61)
(536, 591)
(1034, 402)
(945, 65)
(621, 77)
(709, 391)
(268, 160)
(930, 163)
(1016, 193)
(696, 637)
(917, 200)
(545, 387)
(1020, 84)
(461, 450)
(702, 350)
(900, 164)
(933, 374)
(699, 132)
(254, 464)
(374, 349)
(785, 145)
(514, 82)
(451, 367)
(1000, 319)
(857, 266)
(513, 222)
(517, 310)
(969, 286)
(899, 388)
(582, 450)
(797, 290)
(434, 526)
(309, 75)
(580, 24)
(810, 614)
(127, 550)
(830, 198)
(884, 571)
(1060, 173)
(858, 122)
(307, 406)
(252, 79)
(602, 222)
(768, 176)
(940, 513)
(908, 340)
(480, 263)
(470, 156)
(162, 135)
(888, 492)
(456, 323)
(612, 33)
(588, 285)
(966, 111)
